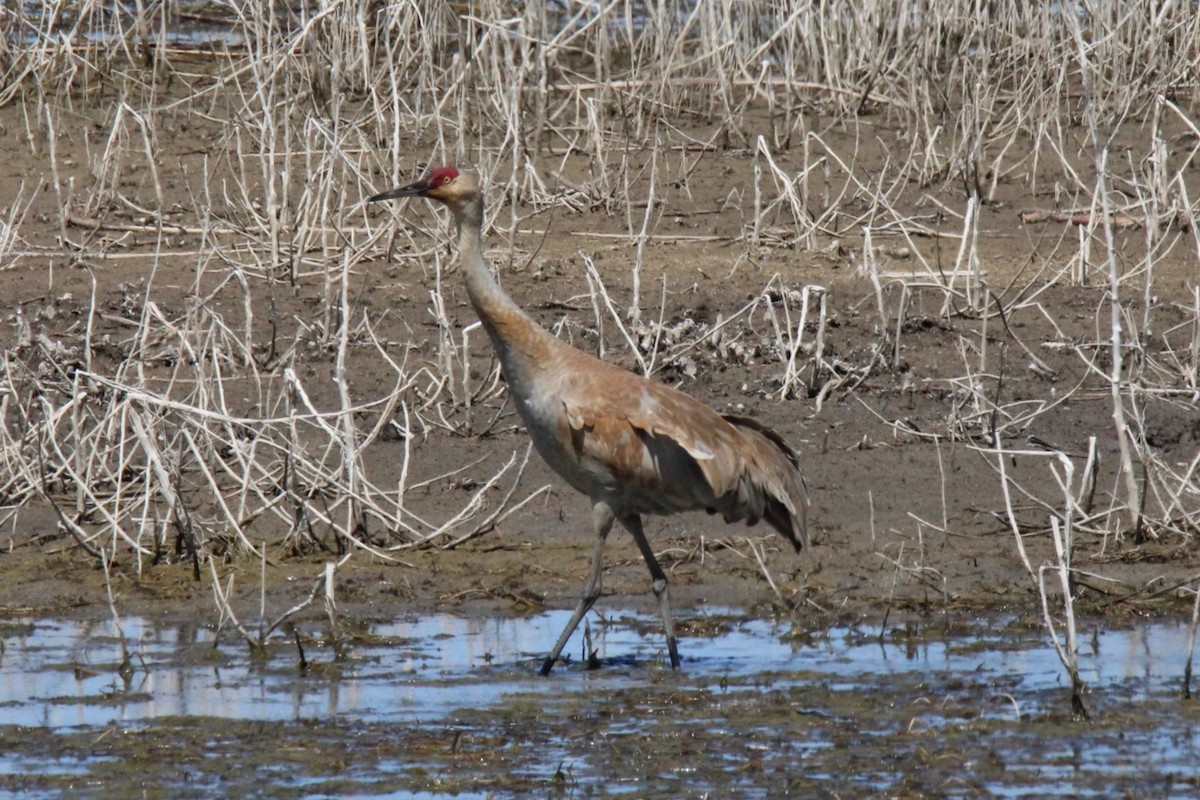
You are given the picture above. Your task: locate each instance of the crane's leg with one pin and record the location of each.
(602, 518)
(633, 524)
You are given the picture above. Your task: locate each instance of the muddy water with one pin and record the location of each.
(448, 706)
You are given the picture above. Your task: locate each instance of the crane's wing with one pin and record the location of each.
(679, 452)
(784, 492)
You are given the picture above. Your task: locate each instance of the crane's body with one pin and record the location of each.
(630, 444)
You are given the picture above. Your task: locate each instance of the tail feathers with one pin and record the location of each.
(771, 486)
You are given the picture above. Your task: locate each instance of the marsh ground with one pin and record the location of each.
(223, 369)
(907, 508)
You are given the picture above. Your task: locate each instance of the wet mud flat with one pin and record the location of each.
(450, 706)
(915, 264)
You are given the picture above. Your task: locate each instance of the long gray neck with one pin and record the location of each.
(482, 287)
(507, 325)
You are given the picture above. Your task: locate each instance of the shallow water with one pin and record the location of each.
(452, 706)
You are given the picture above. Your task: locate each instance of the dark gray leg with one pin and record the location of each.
(634, 525)
(602, 518)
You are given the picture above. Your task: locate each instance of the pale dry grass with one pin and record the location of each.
(207, 435)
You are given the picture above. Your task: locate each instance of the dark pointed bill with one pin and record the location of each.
(412, 190)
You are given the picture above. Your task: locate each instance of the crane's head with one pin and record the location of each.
(444, 184)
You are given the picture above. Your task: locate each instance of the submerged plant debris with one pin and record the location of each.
(448, 706)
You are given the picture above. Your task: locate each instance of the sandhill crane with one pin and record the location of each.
(630, 444)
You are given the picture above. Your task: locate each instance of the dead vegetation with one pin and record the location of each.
(220, 413)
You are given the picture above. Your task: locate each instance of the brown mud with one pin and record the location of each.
(125, 271)
(909, 517)
(907, 512)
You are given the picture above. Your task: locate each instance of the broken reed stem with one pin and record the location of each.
(323, 586)
(221, 596)
(1063, 538)
(126, 665)
(349, 435)
(1195, 348)
(1068, 653)
(1100, 160)
(757, 549)
(1132, 502)
(635, 309)
(596, 286)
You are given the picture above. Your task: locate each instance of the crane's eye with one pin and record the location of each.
(446, 179)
